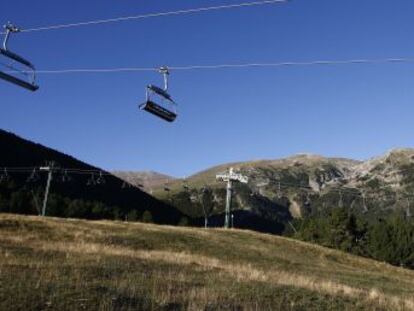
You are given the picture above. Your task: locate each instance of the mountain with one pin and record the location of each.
(59, 264)
(147, 181)
(390, 178)
(295, 187)
(77, 189)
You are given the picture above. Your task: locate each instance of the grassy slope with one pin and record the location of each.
(57, 264)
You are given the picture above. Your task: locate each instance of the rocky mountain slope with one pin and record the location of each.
(147, 181)
(301, 185)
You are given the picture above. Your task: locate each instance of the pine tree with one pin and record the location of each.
(147, 217)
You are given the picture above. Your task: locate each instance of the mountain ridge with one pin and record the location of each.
(303, 184)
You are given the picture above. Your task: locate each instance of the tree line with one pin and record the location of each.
(389, 239)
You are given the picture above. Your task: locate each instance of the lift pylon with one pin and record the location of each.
(230, 178)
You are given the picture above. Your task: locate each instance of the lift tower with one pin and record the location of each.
(49, 169)
(230, 177)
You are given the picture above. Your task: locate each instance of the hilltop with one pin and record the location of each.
(68, 264)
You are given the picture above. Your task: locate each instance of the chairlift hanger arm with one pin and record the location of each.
(9, 29)
(165, 72)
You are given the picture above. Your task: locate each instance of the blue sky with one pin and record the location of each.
(355, 111)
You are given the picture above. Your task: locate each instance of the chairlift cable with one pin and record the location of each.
(347, 191)
(305, 63)
(231, 66)
(95, 174)
(157, 14)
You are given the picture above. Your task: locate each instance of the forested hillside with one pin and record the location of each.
(77, 189)
(360, 207)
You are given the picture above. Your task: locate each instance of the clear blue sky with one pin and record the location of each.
(355, 111)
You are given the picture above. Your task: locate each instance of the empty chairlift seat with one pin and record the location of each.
(158, 111)
(155, 108)
(16, 65)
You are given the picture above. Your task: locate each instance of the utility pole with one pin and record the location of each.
(293, 227)
(205, 216)
(204, 190)
(364, 203)
(230, 177)
(408, 210)
(205, 212)
(49, 170)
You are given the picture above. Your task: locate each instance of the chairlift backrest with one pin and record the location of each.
(17, 58)
(160, 91)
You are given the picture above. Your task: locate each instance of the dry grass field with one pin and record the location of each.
(61, 264)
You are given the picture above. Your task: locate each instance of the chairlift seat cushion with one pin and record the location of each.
(158, 111)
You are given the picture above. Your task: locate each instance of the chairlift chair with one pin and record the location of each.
(100, 180)
(28, 70)
(91, 181)
(34, 177)
(125, 185)
(66, 177)
(157, 109)
(4, 177)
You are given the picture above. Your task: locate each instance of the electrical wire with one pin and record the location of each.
(157, 14)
